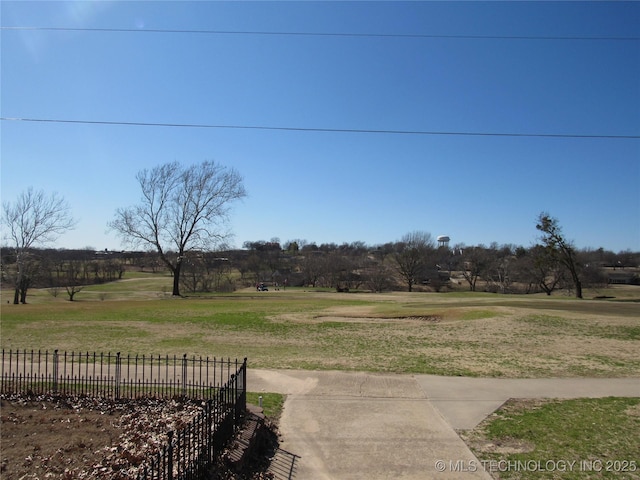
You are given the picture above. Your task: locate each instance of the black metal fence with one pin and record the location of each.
(112, 375)
(189, 453)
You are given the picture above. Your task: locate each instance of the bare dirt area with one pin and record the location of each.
(82, 438)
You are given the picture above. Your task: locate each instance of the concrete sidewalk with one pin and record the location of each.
(465, 402)
(353, 425)
(357, 425)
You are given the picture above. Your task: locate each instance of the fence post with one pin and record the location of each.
(209, 430)
(170, 456)
(234, 398)
(55, 371)
(118, 374)
(244, 384)
(2, 378)
(184, 375)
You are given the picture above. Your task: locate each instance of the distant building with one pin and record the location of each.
(623, 278)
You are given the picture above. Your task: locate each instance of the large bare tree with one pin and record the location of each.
(35, 218)
(181, 209)
(558, 247)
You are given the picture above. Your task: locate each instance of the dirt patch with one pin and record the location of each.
(633, 411)
(478, 442)
(505, 446)
(333, 318)
(424, 318)
(84, 438)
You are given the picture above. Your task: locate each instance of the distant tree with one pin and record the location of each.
(476, 262)
(627, 258)
(73, 280)
(182, 209)
(308, 247)
(255, 265)
(273, 256)
(312, 267)
(292, 247)
(500, 273)
(557, 246)
(265, 258)
(220, 273)
(547, 271)
(328, 247)
(206, 272)
(412, 256)
(592, 274)
(35, 218)
(378, 276)
(192, 277)
(502, 278)
(338, 270)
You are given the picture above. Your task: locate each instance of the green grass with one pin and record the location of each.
(571, 439)
(477, 314)
(461, 333)
(272, 403)
(474, 334)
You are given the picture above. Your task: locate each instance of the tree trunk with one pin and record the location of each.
(16, 295)
(176, 279)
(578, 288)
(571, 265)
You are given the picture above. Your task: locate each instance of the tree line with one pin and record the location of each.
(58, 270)
(414, 263)
(179, 225)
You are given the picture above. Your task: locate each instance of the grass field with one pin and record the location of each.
(584, 438)
(456, 333)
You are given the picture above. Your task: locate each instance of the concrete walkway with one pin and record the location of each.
(352, 425)
(465, 402)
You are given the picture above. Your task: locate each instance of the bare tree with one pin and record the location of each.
(476, 262)
(556, 246)
(74, 277)
(412, 256)
(34, 219)
(500, 268)
(182, 209)
(312, 266)
(547, 271)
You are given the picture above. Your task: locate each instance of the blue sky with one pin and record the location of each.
(423, 68)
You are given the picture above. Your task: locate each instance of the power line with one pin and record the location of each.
(321, 130)
(317, 34)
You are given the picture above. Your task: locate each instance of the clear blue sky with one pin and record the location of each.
(336, 186)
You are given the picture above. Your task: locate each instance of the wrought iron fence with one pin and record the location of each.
(112, 375)
(188, 453)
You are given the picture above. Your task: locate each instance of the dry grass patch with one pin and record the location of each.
(446, 334)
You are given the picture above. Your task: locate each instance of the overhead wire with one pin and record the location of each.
(318, 129)
(319, 34)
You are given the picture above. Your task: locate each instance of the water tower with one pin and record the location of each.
(443, 241)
